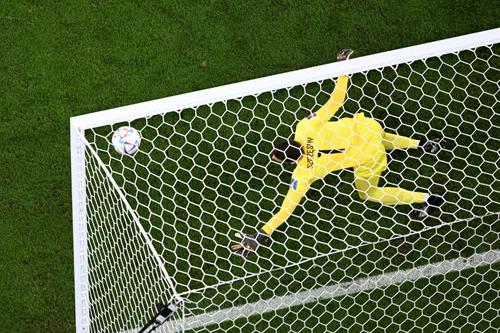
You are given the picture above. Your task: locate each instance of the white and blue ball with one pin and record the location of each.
(126, 140)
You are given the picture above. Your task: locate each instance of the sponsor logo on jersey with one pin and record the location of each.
(294, 184)
(311, 116)
(310, 152)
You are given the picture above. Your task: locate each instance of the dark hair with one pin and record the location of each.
(288, 151)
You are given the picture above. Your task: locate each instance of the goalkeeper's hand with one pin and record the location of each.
(249, 244)
(344, 54)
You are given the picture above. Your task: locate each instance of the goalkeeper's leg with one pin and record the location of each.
(367, 175)
(366, 181)
(394, 141)
(368, 189)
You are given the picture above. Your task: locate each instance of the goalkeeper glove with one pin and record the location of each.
(432, 145)
(344, 54)
(249, 244)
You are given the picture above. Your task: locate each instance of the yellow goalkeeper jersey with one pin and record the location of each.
(327, 146)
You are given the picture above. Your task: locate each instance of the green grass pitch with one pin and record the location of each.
(60, 61)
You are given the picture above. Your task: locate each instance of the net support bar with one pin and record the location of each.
(79, 231)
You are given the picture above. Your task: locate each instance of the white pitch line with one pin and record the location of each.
(341, 289)
(329, 292)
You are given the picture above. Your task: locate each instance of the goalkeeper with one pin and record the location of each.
(321, 146)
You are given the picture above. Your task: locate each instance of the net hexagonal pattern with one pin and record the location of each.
(160, 223)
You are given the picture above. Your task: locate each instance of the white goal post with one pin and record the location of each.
(156, 227)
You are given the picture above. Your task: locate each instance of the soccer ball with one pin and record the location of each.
(126, 140)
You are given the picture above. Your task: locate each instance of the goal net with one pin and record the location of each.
(156, 227)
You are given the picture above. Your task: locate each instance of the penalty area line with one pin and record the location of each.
(332, 291)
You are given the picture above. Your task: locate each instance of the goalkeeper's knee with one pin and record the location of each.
(362, 195)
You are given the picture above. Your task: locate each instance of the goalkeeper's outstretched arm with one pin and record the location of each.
(298, 188)
(249, 244)
(327, 163)
(327, 111)
(294, 196)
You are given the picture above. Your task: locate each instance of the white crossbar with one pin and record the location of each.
(290, 79)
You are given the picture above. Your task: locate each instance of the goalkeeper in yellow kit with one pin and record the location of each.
(321, 146)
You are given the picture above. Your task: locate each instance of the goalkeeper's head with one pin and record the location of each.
(287, 152)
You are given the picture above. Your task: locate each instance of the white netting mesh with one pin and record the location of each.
(339, 263)
(125, 280)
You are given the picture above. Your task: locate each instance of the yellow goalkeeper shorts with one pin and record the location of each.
(369, 148)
